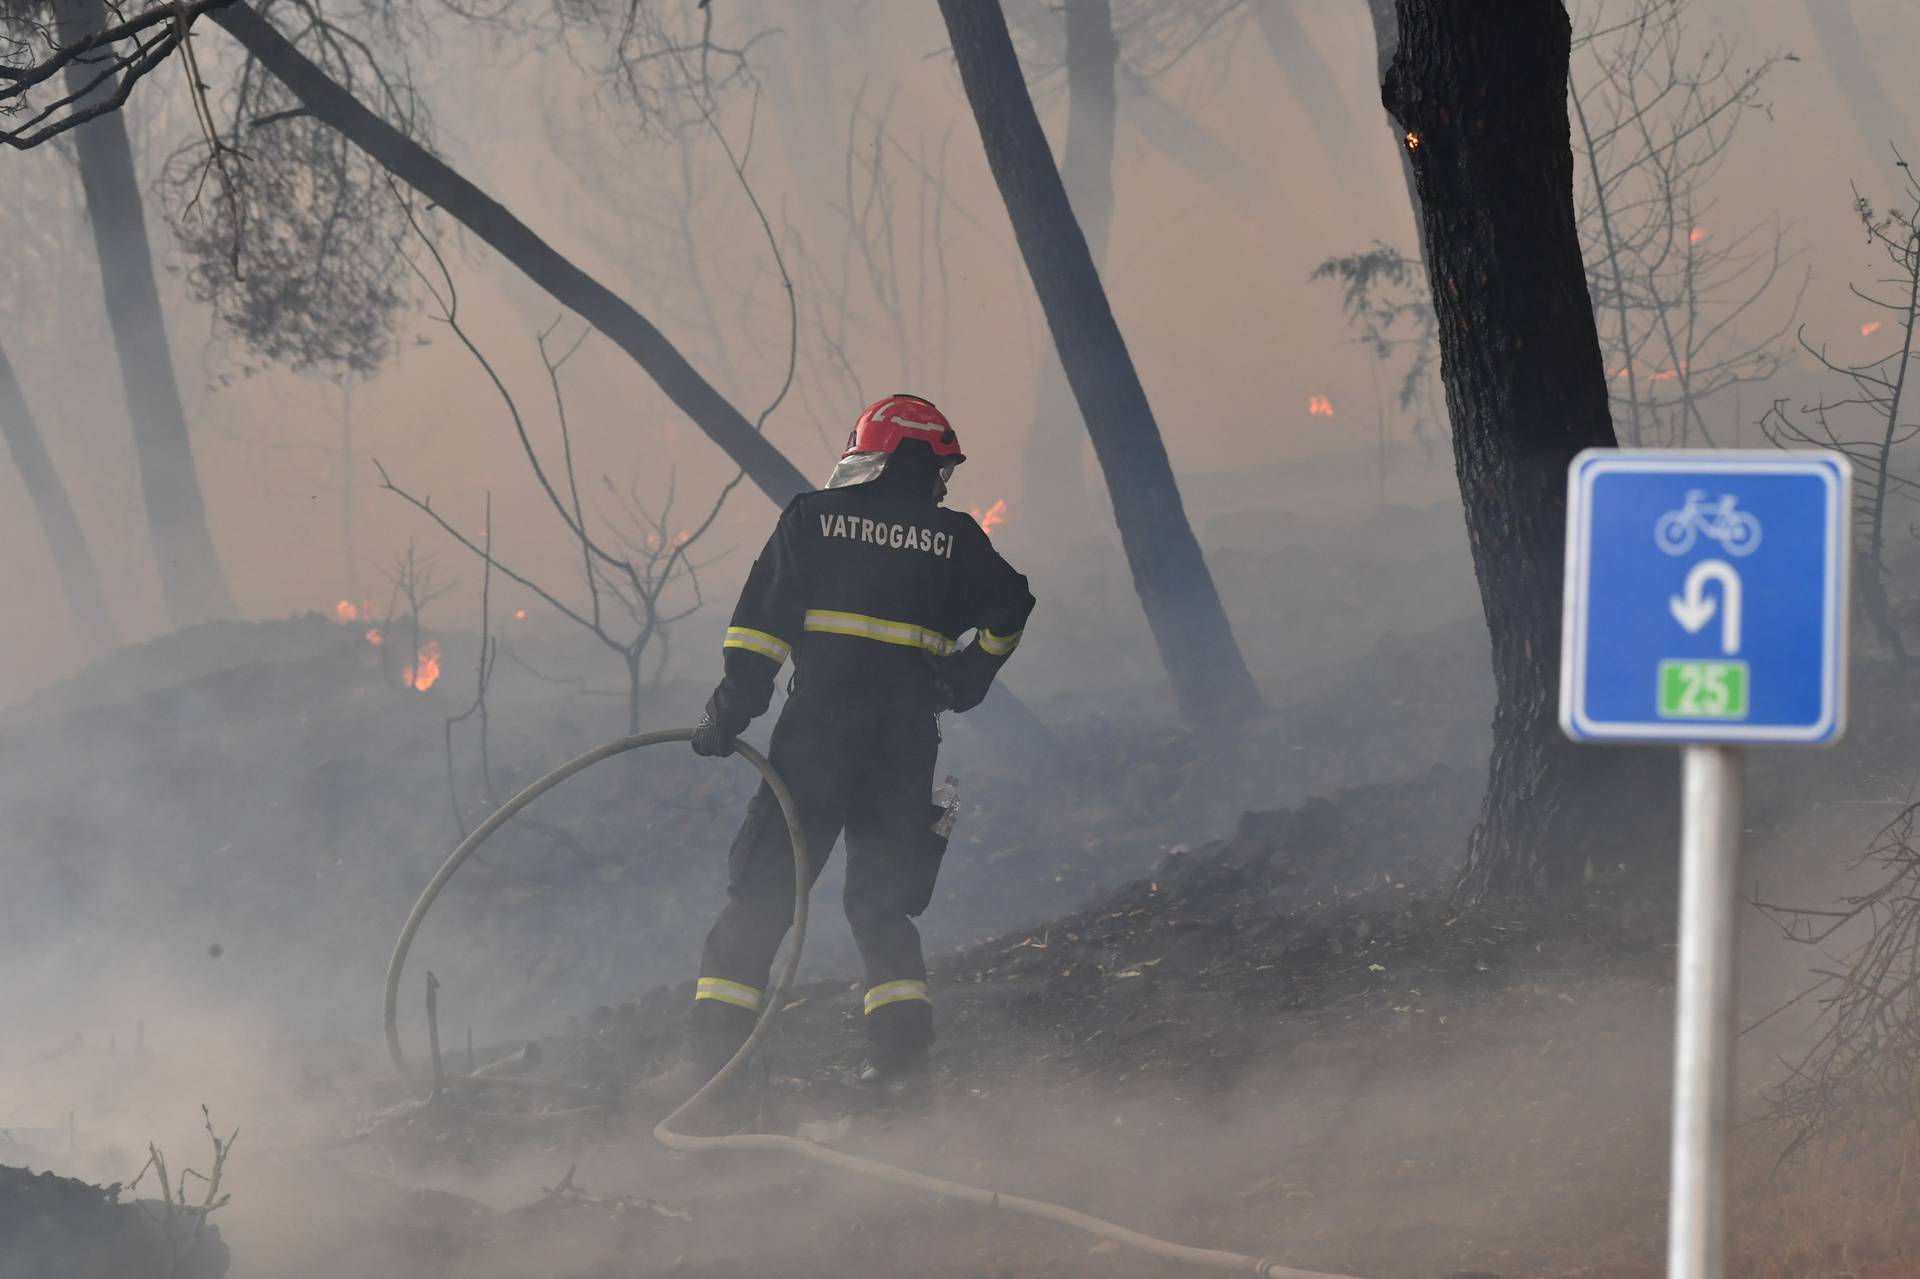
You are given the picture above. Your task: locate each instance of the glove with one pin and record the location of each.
(943, 694)
(961, 681)
(709, 739)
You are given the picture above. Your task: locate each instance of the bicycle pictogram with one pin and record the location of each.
(1737, 531)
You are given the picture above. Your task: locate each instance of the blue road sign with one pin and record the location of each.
(1706, 596)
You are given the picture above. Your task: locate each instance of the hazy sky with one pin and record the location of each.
(1210, 287)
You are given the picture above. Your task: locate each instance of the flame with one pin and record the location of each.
(1413, 140)
(426, 671)
(345, 611)
(1319, 406)
(374, 637)
(995, 514)
(679, 539)
(1868, 330)
(1696, 235)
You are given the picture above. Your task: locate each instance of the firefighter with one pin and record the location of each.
(867, 585)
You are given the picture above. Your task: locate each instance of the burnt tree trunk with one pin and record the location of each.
(1483, 88)
(1086, 166)
(1208, 673)
(1310, 79)
(1055, 484)
(1386, 40)
(190, 578)
(1880, 122)
(514, 240)
(1205, 157)
(49, 496)
(350, 559)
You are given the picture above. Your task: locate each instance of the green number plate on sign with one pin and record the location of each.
(1703, 690)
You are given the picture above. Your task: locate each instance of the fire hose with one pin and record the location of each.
(664, 1132)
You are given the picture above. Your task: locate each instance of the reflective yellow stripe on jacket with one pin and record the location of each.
(892, 992)
(770, 646)
(727, 992)
(999, 645)
(906, 634)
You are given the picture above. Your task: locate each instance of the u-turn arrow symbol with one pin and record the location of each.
(1696, 608)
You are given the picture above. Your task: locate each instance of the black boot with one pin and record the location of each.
(894, 1077)
(713, 1037)
(896, 1083)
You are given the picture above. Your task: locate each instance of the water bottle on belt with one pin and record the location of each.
(946, 802)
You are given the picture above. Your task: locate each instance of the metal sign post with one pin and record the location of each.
(1703, 1010)
(1706, 606)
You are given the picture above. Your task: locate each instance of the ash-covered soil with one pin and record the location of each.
(1259, 1026)
(251, 809)
(54, 1227)
(1282, 1043)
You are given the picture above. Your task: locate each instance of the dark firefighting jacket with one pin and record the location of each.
(873, 585)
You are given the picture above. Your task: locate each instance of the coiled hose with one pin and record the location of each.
(663, 1131)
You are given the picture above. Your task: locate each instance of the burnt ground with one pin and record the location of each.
(52, 1226)
(203, 790)
(1311, 954)
(1267, 1043)
(1283, 1041)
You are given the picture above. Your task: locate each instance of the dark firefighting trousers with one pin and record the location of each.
(858, 758)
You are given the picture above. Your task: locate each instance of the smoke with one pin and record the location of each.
(1404, 1148)
(209, 841)
(1235, 347)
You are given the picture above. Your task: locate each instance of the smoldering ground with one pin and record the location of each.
(310, 795)
(1485, 1127)
(1278, 1042)
(1397, 1161)
(272, 790)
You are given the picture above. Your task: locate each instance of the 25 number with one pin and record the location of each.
(1705, 691)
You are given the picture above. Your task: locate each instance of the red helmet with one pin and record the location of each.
(903, 417)
(883, 427)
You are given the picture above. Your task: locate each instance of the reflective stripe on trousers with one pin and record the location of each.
(739, 994)
(893, 992)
